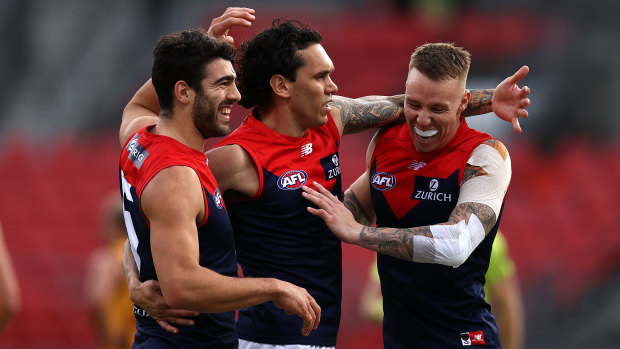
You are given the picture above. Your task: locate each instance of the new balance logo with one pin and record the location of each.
(306, 149)
(416, 165)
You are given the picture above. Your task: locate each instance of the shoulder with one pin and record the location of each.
(498, 146)
(173, 185)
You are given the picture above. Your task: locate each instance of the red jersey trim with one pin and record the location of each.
(252, 122)
(149, 172)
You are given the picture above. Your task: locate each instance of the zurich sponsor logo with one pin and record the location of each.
(433, 185)
(292, 180)
(383, 181)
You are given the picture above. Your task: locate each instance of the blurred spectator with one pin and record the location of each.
(501, 288)
(9, 289)
(504, 294)
(106, 289)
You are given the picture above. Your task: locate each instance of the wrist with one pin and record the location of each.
(354, 236)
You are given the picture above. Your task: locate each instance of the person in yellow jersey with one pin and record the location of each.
(504, 295)
(106, 290)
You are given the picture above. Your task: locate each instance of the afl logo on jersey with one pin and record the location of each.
(383, 181)
(217, 198)
(292, 180)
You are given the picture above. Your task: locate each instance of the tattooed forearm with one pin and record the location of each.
(369, 112)
(352, 204)
(395, 242)
(480, 103)
(483, 212)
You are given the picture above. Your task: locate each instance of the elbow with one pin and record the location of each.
(456, 260)
(178, 297)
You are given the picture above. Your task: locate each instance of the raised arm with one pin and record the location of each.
(484, 185)
(508, 101)
(141, 111)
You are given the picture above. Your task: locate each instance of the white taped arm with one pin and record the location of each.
(489, 188)
(451, 244)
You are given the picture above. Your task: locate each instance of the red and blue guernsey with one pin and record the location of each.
(428, 305)
(277, 237)
(143, 156)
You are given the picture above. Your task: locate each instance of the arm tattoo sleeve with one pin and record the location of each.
(369, 112)
(352, 204)
(480, 103)
(483, 212)
(395, 242)
(399, 242)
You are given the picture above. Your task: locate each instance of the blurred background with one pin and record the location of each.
(70, 66)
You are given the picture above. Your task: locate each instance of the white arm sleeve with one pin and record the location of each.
(490, 188)
(452, 244)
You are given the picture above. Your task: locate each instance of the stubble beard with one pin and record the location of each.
(204, 115)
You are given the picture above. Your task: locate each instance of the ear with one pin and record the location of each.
(182, 92)
(280, 85)
(464, 101)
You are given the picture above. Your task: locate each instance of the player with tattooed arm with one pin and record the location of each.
(435, 189)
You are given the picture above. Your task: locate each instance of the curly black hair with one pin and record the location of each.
(272, 51)
(183, 56)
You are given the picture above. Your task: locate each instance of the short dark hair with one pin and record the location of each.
(183, 56)
(441, 61)
(272, 51)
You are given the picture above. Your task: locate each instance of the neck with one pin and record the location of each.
(181, 130)
(282, 120)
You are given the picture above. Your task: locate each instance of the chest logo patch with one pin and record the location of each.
(433, 189)
(383, 181)
(292, 180)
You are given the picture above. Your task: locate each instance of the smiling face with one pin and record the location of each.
(313, 87)
(215, 98)
(433, 109)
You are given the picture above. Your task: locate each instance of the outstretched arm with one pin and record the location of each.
(508, 101)
(360, 114)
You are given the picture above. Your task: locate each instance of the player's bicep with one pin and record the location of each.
(363, 113)
(173, 202)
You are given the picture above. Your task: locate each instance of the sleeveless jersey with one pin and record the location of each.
(277, 237)
(143, 156)
(428, 305)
